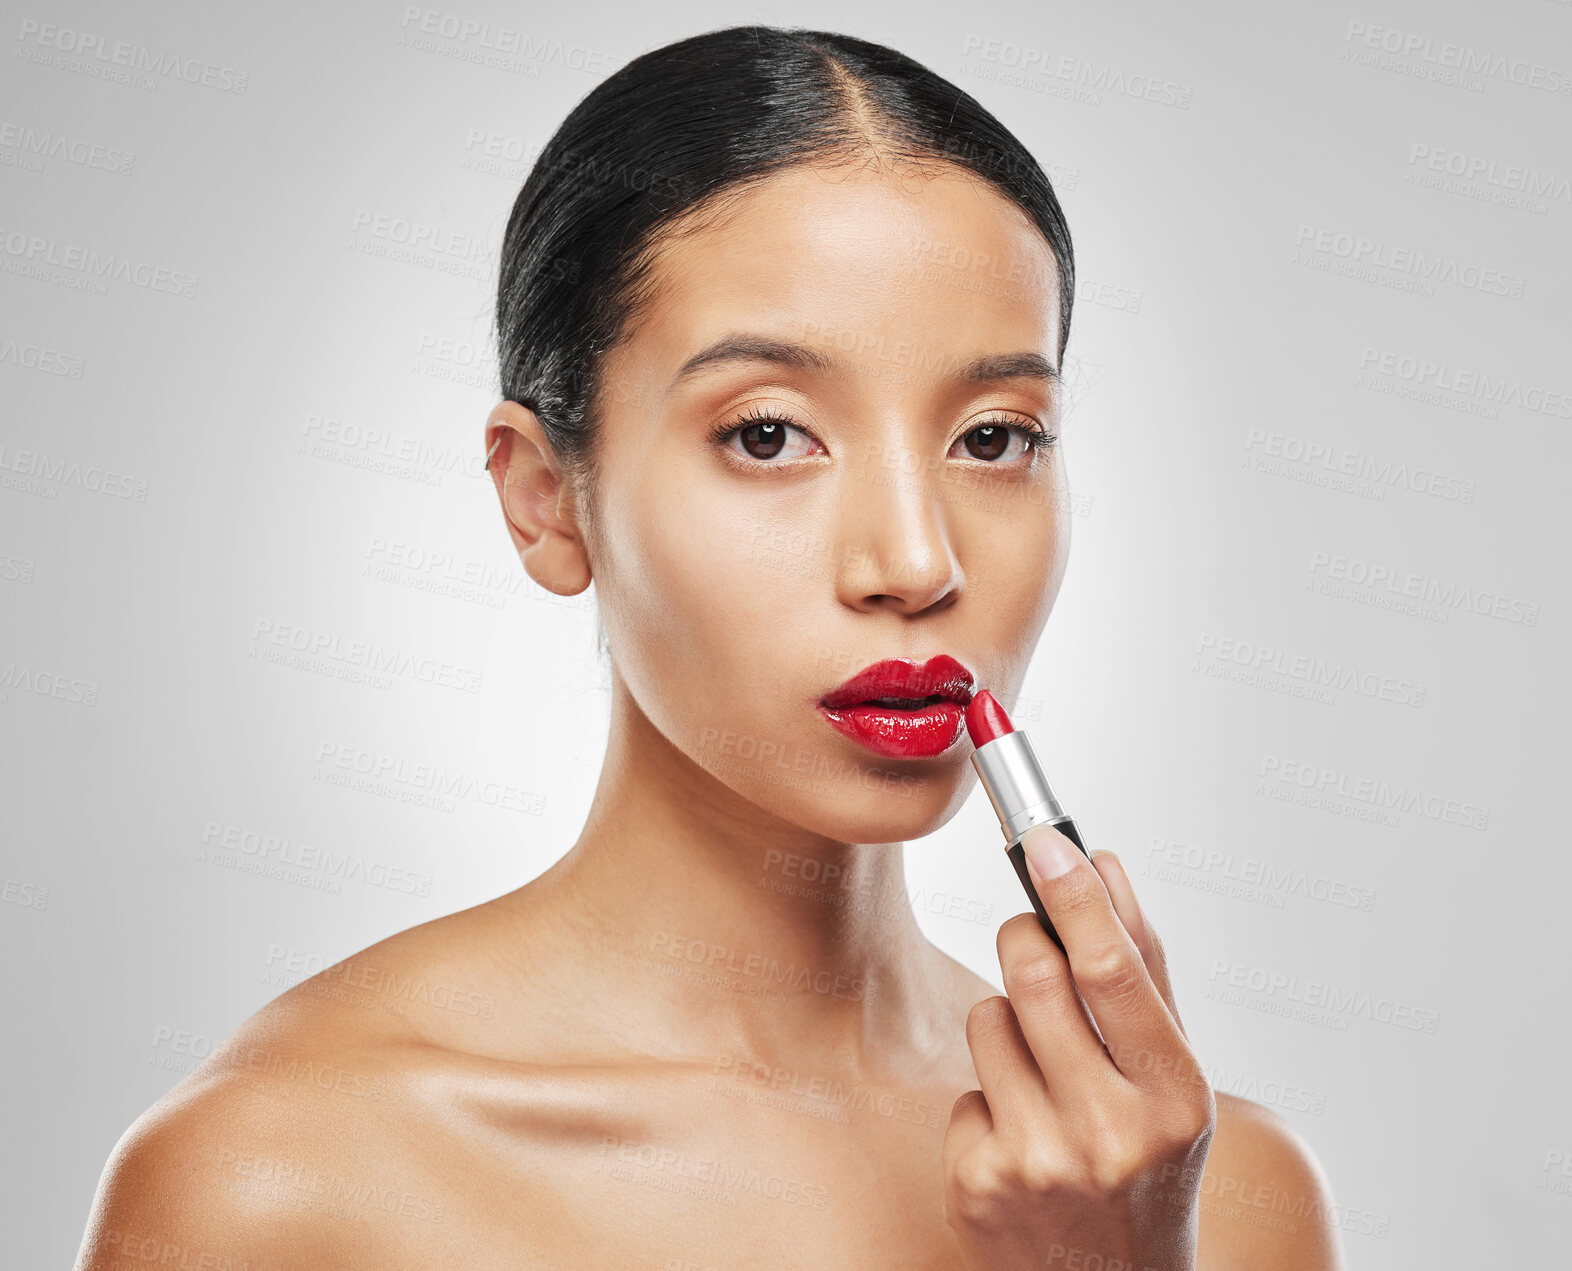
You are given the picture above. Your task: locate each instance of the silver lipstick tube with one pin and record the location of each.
(1021, 797)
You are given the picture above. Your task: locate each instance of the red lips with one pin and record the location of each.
(882, 706)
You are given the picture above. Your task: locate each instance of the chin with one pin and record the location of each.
(874, 802)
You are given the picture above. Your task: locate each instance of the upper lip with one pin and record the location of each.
(901, 677)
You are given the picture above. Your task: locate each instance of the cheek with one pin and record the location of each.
(1051, 545)
(1015, 552)
(708, 608)
(1051, 542)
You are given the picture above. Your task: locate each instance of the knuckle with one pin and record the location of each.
(1041, 980)
(1202, 1119)
(988, 1018)
(977, 1194)
(1116, 1171)
(1185, 1120)
(1012, 925)
(964, 1102)
(1040, 1168)
(1113, 971)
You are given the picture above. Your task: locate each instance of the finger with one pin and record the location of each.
(1054, 1020)
(970, 1123)
(1007, 1071)
(1122, 892)
(1141, 1035)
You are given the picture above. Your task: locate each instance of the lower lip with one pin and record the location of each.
(898, 734)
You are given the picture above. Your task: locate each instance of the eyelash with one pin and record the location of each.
(1037, 438)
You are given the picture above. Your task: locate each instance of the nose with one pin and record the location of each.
(897, 553)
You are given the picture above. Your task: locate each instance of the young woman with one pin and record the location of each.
(781, 316)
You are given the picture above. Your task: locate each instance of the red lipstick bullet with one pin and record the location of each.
(1017, 788)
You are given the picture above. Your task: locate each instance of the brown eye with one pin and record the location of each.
(764, 438)
(763, 441)
(995, 443)
(987, 442)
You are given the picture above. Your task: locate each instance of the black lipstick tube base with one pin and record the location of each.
(1017, 855)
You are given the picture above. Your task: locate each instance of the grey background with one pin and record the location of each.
(1224, 329)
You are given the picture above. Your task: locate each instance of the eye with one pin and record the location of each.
(763, 436)
(994, 438)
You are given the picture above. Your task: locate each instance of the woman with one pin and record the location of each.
(780, 320)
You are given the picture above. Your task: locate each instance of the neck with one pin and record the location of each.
(723, 929)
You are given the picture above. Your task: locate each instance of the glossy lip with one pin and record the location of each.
(895, 732)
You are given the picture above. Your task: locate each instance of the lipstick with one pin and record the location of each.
(902, 709)
(1017, 788)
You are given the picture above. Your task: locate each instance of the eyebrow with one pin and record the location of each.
(745, 347)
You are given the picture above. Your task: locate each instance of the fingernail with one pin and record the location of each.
(1048, 852)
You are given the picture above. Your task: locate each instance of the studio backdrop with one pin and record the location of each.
(274, 684)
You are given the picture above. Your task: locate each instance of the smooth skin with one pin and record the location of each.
(712, 1034)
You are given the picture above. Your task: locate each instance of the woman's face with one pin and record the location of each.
(743, 577)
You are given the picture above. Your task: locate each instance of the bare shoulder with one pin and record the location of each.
(222, 1172)
(1265, 1201)
(333, 1101)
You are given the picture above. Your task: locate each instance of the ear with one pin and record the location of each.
(537, 500)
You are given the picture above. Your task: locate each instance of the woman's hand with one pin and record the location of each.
(1080, 1150)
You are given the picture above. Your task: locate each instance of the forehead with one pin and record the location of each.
(852, 256)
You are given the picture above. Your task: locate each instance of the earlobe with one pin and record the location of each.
(534, 492)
